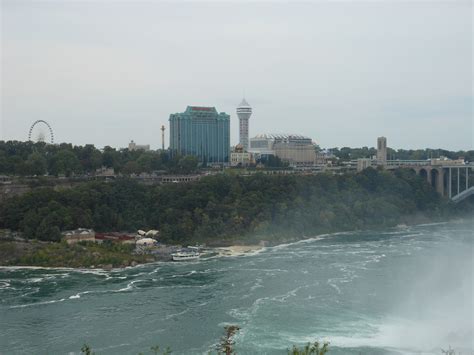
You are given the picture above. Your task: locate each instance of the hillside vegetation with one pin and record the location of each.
(219, 208)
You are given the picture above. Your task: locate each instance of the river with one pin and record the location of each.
(398, 291)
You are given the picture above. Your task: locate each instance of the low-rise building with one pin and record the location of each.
(363, 163)
(105, 172)
(262, 144)
(295, 153)
(239, 157)
(133, 146)
(79, 235)
(447, 161)
(145, 245)
(178, 179)
(296, 150)
(115, 237)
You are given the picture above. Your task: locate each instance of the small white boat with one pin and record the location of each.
(184, 255)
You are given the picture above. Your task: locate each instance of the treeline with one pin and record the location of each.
(347, 153)
(30, 159)
(39, 159)
(222, 206)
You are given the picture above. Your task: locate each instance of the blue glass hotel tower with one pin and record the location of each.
(202, 132)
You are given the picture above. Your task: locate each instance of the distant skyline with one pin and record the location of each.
(343, 73)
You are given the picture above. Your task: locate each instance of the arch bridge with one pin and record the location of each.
(450, 178)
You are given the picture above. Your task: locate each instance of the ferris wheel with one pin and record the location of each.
(39, 131)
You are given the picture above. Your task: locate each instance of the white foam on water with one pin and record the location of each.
(257, 284)
(5, 284)
(112, 347)
(226, 253)
(21, 267)
(134, 275)
(172, 315)
(129, 286)
(239, 313)
(202, 304)
(333, 285)
(154, 271)
(299, 242)
(289, 294)
(38, 303)
(33, 280)
(263, 270)
(405, 336)
(431, 224)
(192, 272)
(98, 272)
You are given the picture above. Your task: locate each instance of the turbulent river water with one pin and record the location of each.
(398, 291)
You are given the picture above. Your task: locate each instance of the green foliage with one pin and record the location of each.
(310, 349)
(346, 153)
(226, 346)
(156, 350)
(83, 254)
(48, 231)
(272, 161)
(29, 159)
(187, 164)
(86, 349)
(225, 206)
(65, 162)
(35, 165)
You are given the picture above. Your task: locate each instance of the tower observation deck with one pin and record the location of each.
(244, 111)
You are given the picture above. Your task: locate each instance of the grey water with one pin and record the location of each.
(398, 291)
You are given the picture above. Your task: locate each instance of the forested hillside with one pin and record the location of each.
(220, 207)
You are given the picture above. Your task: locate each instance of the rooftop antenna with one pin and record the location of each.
(163, 137)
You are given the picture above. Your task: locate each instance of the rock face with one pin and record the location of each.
(108, 267)
(134, 263)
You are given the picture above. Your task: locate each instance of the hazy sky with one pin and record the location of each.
(343, 73)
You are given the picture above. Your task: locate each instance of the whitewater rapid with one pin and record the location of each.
(398, 291)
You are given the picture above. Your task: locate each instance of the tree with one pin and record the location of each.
(90, 157)
(187, 164)
(310, 349)
(47, 231)
(156, 350)
(86, 350)
(35, 165)
(131, 167)
(145, 162)
(110, 157)
(30, 223)
(65, 162)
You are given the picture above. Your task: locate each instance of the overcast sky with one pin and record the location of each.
(343, 73)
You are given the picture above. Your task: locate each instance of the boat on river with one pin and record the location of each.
(186, 254)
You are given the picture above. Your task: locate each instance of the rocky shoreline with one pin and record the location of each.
(23, 252)
(16, 251)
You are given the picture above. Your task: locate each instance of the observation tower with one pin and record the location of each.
(244, 111)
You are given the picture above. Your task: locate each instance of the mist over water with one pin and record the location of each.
(398, 291)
